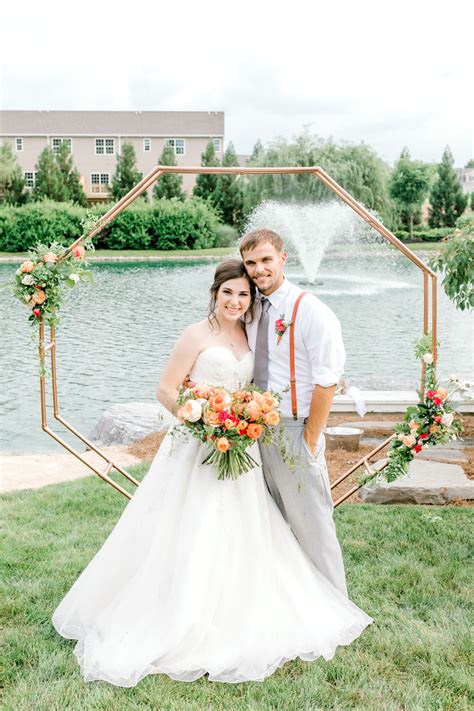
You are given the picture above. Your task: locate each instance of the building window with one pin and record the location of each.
(30, 179)
(18, 144)
(105, 145)
(177, 144)
(147, 145)
(217, 144)
(56, 144)
(100, 182)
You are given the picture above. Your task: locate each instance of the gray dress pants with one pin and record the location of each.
(304, 498)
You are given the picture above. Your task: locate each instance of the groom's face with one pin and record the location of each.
(264, 265)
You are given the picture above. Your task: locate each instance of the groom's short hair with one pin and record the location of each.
(256, 237)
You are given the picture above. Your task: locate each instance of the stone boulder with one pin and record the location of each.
(131, 421)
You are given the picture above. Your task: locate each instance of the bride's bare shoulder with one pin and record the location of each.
(195, 332)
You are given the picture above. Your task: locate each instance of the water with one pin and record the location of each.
(116, 337)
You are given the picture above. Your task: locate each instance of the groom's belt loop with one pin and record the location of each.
(294, 404)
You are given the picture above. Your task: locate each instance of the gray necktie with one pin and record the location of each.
(260, 376)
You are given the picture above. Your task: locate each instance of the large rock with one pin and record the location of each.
(128, 422)
(426, 482)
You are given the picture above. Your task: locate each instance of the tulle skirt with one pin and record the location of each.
(201, 576)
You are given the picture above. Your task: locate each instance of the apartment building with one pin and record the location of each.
(466, 178)
(95, 139)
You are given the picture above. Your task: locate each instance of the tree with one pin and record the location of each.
(470, 163)
(206, 184)
(447, 199)
(170, 185)
(70, 176)
(49, 179)
(227, 197)
(456, 263)
(409, 185)
(126, 176)
(472, 201)
(12, 183)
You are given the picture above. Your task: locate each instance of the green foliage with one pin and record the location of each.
(70, 176)
(456, 263)
(206, 184)
(356, 167)
(408, 186)
(45, 221)
(472, 201)
(170, 185)
(226, 236)
(177, 225)
(49, 178)
(126, 176)
(424, 235)
(447, 199)
(228, 197)
(470, 163)
(12, 183)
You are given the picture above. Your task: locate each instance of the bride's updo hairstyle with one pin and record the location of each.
(231, 269)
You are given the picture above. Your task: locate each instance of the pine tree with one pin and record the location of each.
(447, 199)
(206, 184)
(170, 185)
(12, 183)
(126, 176)
(472, 201)
(70, 176)
(228, 196)
(49, 179)
(408, 186)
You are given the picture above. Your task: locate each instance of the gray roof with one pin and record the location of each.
(112, 123)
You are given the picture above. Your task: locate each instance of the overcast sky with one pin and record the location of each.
(389, 74)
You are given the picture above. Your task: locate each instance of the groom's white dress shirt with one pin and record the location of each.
(319, 349)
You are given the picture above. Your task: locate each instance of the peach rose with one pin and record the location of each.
(271, 418)
(212, 418)
(257, 397)
(254, 431)
(253, 410)
(202, 390)
(222, 444)
(409, 440)
(191, 411)
(442, 393)
(221, 400)
(229, 424)
(78, 251)
(27, 266)
(50, 257)
(268, 403)
(242, 425)
(38, 297)
(413, 425)
(434, 428)
(239, 395)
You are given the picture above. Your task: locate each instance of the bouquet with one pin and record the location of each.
(228, 422)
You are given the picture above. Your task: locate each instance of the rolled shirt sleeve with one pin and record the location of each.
(322, 337)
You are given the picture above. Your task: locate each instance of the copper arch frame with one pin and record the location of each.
(143, 185)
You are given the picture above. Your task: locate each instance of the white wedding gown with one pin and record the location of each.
(202, 576)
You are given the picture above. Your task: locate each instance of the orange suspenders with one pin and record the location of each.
(294, 405)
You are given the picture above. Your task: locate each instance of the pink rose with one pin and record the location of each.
(50, 257)
(27, 266)
(78, 251)
(409, 440)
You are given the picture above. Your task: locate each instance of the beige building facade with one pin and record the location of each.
(95, 139)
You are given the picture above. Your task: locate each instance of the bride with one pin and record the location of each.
(202, 576)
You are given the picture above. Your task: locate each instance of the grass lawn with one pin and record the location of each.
(407, 567)
(139, 253)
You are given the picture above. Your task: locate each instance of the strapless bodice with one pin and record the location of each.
(217, 365)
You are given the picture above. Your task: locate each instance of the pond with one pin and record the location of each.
(115, 337)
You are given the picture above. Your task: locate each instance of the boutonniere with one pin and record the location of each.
(280, 327)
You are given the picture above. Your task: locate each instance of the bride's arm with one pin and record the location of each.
(181, 360)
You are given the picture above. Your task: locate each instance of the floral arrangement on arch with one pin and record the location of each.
(432, 421)
(40, 279)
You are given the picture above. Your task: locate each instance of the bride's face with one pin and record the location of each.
(233, 299)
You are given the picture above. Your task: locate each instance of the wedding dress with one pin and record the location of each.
(202, 576)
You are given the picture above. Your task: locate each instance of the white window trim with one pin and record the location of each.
(174, 138)
(217, 138)
(149, 144)
(100, 183)
(19, 150)
(104, 138)
(30, 172)
(61, 138)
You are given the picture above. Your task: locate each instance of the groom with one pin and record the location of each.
(304, 495)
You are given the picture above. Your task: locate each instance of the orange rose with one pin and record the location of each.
(202, 390)
(38, 297)
(221, 400)
(27, 266)
(242, 425)
(212, 418)
(434, 428)
(239, 396)
(271, 418)
(223, 444)
(229, 424)
(442, 393)
(50, 257)
(268, 403)
(254, 431)
(253, 410)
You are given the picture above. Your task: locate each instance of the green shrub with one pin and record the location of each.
(177, 225)
(226, 236)
(47, 221)
(129, 230)
(424, 235)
